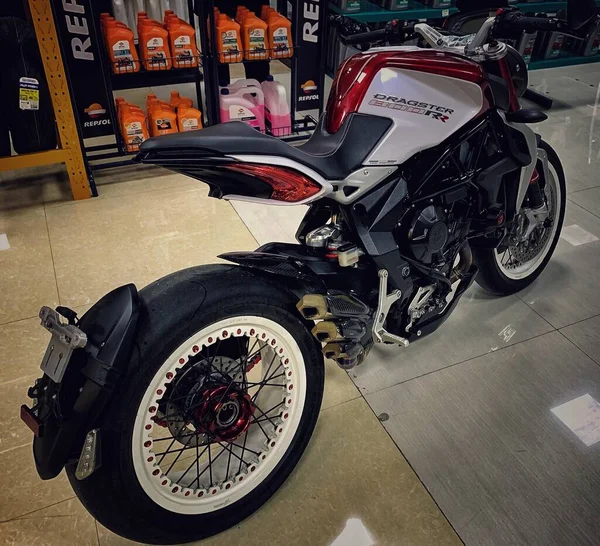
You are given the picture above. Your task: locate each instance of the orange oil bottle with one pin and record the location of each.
(177, 101)
(254, 38)
(154, 45)
(279, 35)
(121, 50)
(241, 13)
(133, 126)
(162, 118)
(188, 118)
(229, 40)
(182, 40)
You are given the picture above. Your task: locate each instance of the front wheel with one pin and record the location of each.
(521, 259)
(215, 413)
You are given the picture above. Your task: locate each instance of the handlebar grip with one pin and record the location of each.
(517, 22)
(366, 37)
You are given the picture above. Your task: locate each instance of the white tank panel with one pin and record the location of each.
(425, 108)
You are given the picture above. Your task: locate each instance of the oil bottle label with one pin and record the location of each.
(230, 42)
(183, 51)
(121, 49)
(257, 39)
(241, 113)
(163, 124)
(29, 94)
(122, 54)
(182, 41)
(155, 43)
(280, 40)
(189, 124)
(135, 135)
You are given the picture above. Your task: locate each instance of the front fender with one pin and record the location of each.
(68, 410)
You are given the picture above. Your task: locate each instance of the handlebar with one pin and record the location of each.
(366, 37)
(512, 22)
(393, 31)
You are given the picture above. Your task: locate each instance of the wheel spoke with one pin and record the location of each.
(196, 462)
(243, 449)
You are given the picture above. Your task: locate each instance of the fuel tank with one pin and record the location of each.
(429, 95)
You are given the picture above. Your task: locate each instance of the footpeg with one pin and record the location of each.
(380, 334)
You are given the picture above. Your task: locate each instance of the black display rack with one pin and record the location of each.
(305, 58)
(134, 80)
(92, 82)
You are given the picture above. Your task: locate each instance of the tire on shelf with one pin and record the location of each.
(30, 130)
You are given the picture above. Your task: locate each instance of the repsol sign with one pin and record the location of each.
(83, 65)
(96, 122)
(310, 58)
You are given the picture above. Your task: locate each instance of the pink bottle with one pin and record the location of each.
(277, 109)
(253, 87)
(243, 105)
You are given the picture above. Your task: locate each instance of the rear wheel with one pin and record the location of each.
(202, 436)
(522, 258)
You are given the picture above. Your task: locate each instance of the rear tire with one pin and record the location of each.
(186, 309)
(496, 279)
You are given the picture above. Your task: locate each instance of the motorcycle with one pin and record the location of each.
(178, 410)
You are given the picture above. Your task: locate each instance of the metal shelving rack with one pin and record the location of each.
(136, 80)
(302, 125)
(70, 147)
(372, 13)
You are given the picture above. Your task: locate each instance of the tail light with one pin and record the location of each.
(288, 185)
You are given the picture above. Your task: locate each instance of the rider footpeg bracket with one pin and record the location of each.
(385, 302)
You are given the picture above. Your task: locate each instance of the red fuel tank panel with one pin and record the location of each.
(354, 77)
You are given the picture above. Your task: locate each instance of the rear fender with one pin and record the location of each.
(69, 410)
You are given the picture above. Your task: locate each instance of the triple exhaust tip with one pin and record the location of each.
(313, 307)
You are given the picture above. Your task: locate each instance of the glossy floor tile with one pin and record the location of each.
(480, 324)
(588, 199)
(568, 290)
(27, 275)
(23, 492)
(13, 432)
(65, 524)
(484, 442)
(339, 388)
(323, 494)
(103, 243)
(573, 127)
(22, 345)
(586, 335)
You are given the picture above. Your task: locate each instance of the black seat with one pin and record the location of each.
(333, 156)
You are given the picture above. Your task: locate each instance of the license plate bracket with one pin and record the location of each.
(65, 339)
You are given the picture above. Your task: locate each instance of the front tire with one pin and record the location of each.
(195, 441)
(500, 272)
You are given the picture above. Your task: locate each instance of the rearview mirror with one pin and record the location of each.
(580, 13)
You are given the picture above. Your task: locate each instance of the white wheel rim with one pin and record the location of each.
(183, 493)
(529, 267)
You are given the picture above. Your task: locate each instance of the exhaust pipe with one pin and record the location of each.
(319, 306)
(346, 355)
(313, 307)
(327, 331)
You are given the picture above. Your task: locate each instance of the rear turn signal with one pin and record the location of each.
(288, 185)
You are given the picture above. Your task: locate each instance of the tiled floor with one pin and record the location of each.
(469, 407)
(145, 224)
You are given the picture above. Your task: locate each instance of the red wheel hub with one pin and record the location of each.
(225, 413)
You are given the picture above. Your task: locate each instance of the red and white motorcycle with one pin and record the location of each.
(178, 410)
